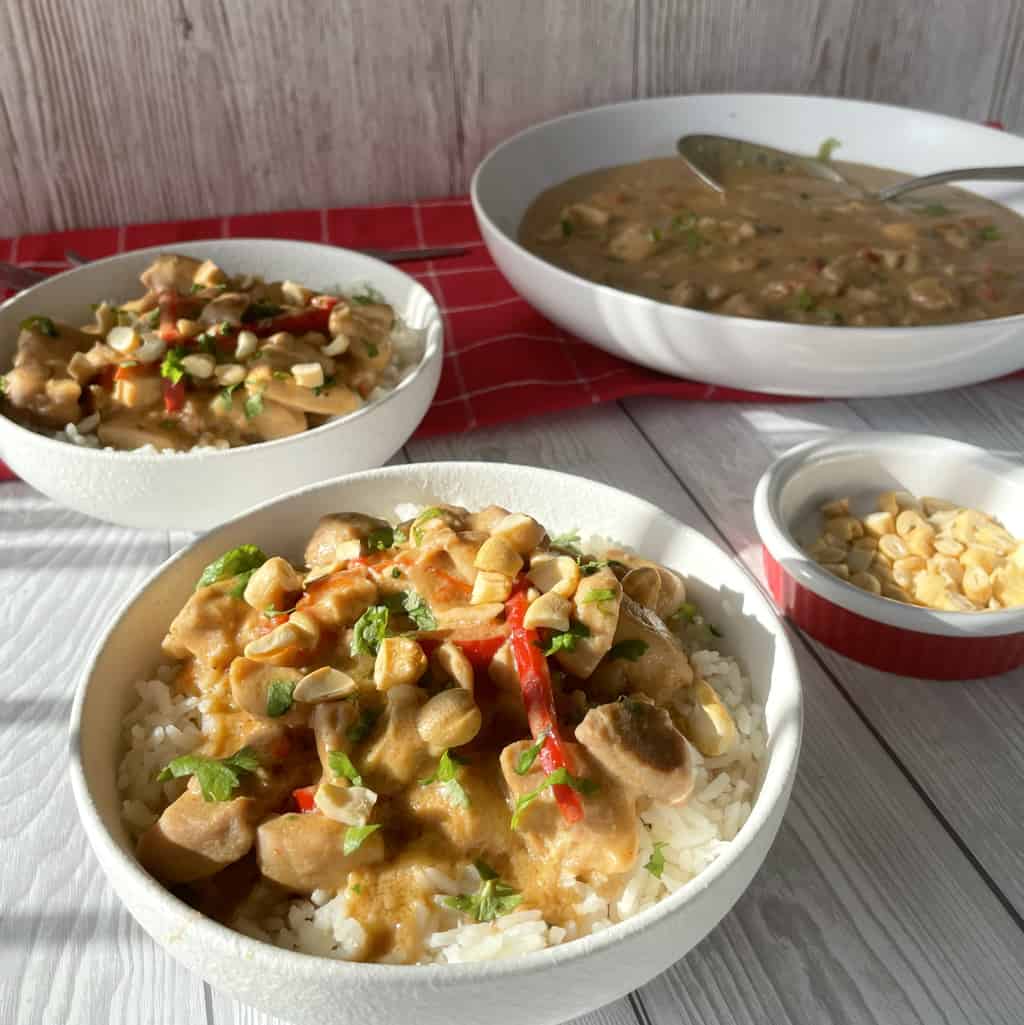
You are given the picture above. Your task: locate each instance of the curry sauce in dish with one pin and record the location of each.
(202, 359)
(781, 245)
(455, 738)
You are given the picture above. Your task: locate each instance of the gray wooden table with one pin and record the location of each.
(894, 893)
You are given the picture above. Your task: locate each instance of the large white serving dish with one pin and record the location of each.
(197, 490)
(780, 358)
(542, 988)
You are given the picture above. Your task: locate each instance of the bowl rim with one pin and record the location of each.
(539, 264)
(433, 350)
(777, 538)
(783, 748)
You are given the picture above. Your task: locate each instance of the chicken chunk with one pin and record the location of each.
(596, 606)
(304, 853)
(213, 626)
(336, 528)
(604, 840)
(338, 600)
(636, 743)
(398, 755)
(251, 687)
(169, 270)
(194, 838)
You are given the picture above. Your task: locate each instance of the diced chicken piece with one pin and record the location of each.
(128, 430)
(272, 420)
(636, 744)
(169, 270)
(250, 689)
(486, 519)
(333, 530)
(334, 399)
(462, 548)
(338, 600)
(604, 840)
(194, 838)
(330, 723)
(632, 244)
(398, 754)
(371, 322)
(227, 307)
(213, 626)
(304, 853)
(282, 351)
(599, 616)
(659, 672)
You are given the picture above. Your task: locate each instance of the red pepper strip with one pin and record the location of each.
(481, 650)
(313, 319)
(539, 701)
(174, 395)
(303, 797)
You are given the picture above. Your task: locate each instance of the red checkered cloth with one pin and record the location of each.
(503, 360)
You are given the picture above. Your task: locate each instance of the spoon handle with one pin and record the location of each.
(974, 174)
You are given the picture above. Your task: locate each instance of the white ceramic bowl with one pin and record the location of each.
(548, 986)
(197, 490)
(889, 635)
(782, 358)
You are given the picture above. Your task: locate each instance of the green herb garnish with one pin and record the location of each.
(493, 899)
(242, 559)
(447, 774)
(370, 629)
(254, 405)
(591, 566)
(367, 297)
(328, 382)
(804, 300)
(560, 777)
(43, 325)
(241, 579)
(418, 611)
(380, 540)
(567, 227)
(341, 765)
(424, 517)
(570, 541)
(935, 210)
(355, 835)
(217, 777)
(567, 641)
(363, 726)
(629, 650)
(827, 148)
(227, 391)
(395, 572)
(686, 612)
(172, 368)
(990, 233)
(526, 758)
(656, 862)
(596, 594)
(279, 697)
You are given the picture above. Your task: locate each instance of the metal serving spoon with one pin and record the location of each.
(709, 155)
(12, 276)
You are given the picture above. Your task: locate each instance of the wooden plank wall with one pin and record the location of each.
(121, 110)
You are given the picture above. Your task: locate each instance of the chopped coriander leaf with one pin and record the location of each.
(400, 536)
(152, 318)
(42, 325)
(656, 862)
(241, 579)
(231, 563)
(591, 566)
(447, 774)
(341, 765)
(990, 233)
(172, 368)
(395, 572)
(227, 391)
(3, 384)
(261, 311)
(629, 650)
(270, 612)
(372, 349)
(827, 148)
(356, 888)
(935, 210)
(217, 777)
(196, 287)
(567, 641)
(207, 343)
(596, 594)
(560, 777)
(370, 629)
(694, 239)
(715, 632)
(380, 540)
(281, 375)
(654, 235)
(804, 300)
(355, 835)
(279, 697)
(567, 227)
(367, 296)
(418, 611)
(493, 899)
(686, 612)
(254, 405)
(570, 541)
(424, 517)
(526, 758)
(363, 726)
(682, 221)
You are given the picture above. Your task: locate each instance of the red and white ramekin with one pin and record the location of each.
(880, 632)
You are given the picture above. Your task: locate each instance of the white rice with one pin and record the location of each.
(161, 727)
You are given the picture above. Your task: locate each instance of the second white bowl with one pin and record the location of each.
(198, 490)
